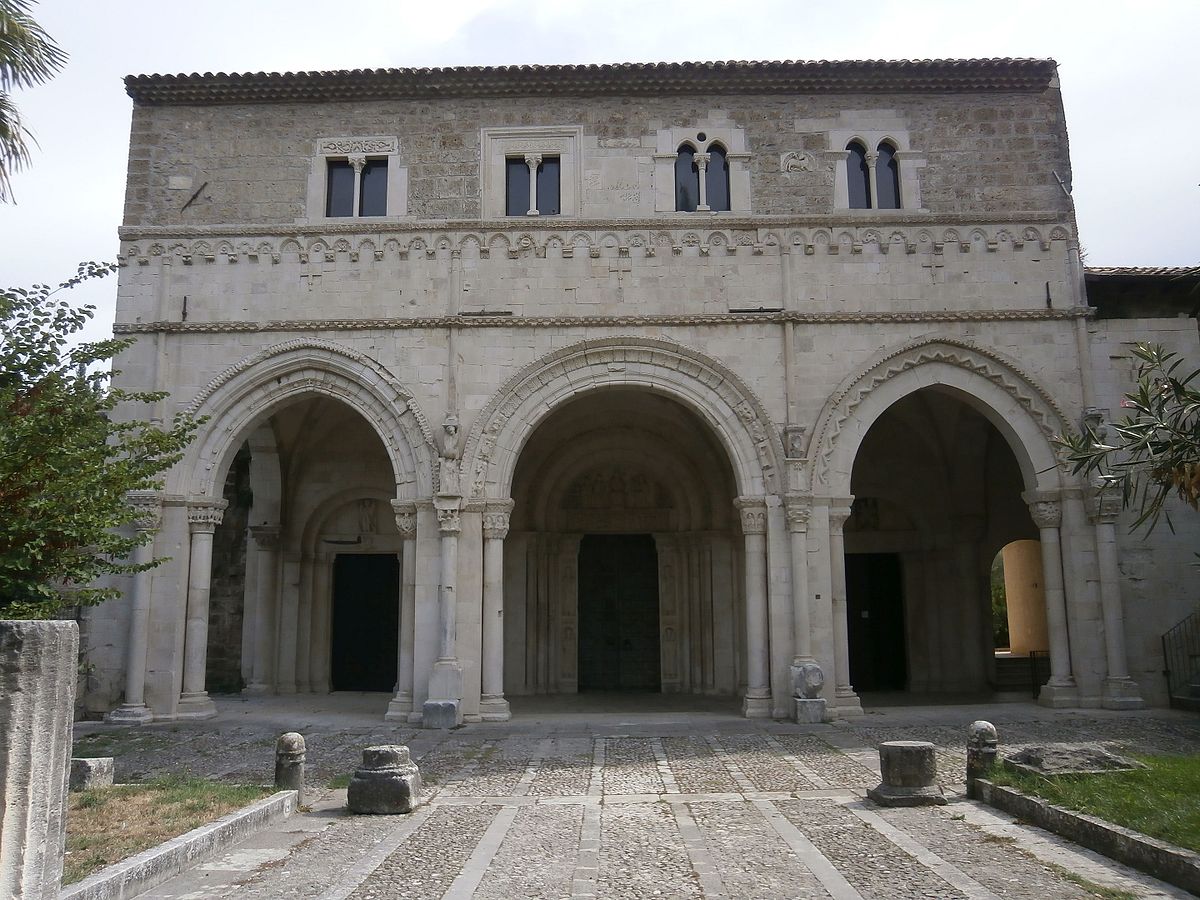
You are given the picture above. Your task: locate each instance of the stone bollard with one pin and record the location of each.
(981, 752)
(388, 782)
(90, 773)
(38, 663)
(909, 771)
(290, 754)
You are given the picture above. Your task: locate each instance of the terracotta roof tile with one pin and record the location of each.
(1142, 271)
(789, 76)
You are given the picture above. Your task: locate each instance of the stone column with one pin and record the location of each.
(203, 518)
(807, 678)
(266, 542)
(321, 602)
(533, 160)
(38, 665)
(1046, 512)
(492, 705)
(133, 711)
(701, 161)
(304, 626)
(1119, 691)
(872, 158)
(400, 706)
(757, 703)
(444, 706)
(357, 162)
(844, 699)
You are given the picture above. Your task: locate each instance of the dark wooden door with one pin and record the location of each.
(618, 613)
(875, 622)
(366, 616)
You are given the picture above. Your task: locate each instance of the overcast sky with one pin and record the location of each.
(1128, 72)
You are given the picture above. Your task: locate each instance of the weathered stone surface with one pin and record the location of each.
(982, 742)
(290, 754)
(439, 714)
(90, 773)
(38, 663)
(388, 782)
(1061, 760)
(810, 711)
(909, 770)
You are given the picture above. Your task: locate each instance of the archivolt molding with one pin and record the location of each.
(412, 242)
(251, 386)
(712, 391)
(1006, 374)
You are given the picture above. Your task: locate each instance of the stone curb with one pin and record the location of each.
(1164, 861)
(139, 873)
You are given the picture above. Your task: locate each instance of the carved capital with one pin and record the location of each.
(357, 162)
(872, 157)
(1046, 513)
(797, 508)
(701, 161)
(147, 506)
(449, 516)
(1104, 503)
(266, 537)
(496, 517)
(753, 512)
(406, 518)
(205, 515)
(838, 516)
(533, 160)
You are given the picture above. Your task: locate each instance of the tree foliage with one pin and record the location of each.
(68, 455)
(1154, 451)
(28, 57)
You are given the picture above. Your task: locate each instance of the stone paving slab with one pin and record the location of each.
(639, 807)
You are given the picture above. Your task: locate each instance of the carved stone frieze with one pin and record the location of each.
(356, 145)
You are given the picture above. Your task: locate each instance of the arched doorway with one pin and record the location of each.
(622, 565)
(937, 492)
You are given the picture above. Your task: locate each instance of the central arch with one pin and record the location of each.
(710, 390)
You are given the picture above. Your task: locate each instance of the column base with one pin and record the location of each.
(809, 711)
(196, 705)
(259, 689)
(441, 714)
(847, 703)
(1059, 696)
(399, 708)
(1121, 693)
(756, 707)
(494, 708)
(130, 714)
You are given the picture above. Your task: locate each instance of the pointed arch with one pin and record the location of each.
(247, 392)
(713, 392)
(1025, 413)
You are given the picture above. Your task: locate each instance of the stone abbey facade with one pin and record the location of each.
(684, 378)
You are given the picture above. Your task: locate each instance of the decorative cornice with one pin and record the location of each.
(620, 79)
(648, 321)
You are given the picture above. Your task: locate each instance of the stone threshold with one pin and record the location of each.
(139, 873)
(1170, 863)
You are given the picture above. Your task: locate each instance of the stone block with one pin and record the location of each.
(909, 770)
(440, 714)
(810, 711)
(90, 773)
(387, 784)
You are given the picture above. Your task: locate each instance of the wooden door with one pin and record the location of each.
(618, 613)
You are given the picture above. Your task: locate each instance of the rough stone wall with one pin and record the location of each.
(993, 151)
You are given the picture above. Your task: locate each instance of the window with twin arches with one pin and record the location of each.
(873, 176)
(702, 176)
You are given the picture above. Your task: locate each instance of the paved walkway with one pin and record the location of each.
(564, 802)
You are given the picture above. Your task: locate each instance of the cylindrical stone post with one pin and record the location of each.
(38, 663)
(909, 770)
(981, 752)
(290, 754)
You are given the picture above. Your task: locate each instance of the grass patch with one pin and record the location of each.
(339, 782)
(1106, 893)
(108, 825)
(1159, 801)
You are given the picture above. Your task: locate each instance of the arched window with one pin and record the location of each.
(858, 176)
(687, 180)
(887, 177)
(717, 179)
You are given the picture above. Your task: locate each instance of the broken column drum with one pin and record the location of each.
(909, 770)
(388, 782)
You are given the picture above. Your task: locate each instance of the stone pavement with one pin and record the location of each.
(573, 800)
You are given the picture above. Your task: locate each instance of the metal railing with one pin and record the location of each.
(1181, 660)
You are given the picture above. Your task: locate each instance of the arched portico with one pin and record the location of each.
(1022, 412)
(575, 497)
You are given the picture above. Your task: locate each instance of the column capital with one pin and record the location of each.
(449, 515)
(872, 157)
(797, 508)
(701, 160)
(266, 537)
(357, 162)
(1104, 504)
(205, 515)
(753, 512)
(406, 518)
(496, 515)
(1046, 513)
(147, 507)
(533, 160)
(839, 511)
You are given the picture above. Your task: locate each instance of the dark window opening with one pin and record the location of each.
(548, 189)
(516, 186)
(373, 195)
(717, 179)
(887, 177)
(858, 176)
(339, 191)
(687, 180)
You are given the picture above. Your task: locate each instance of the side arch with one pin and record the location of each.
(1024, 412)
(248, 391)
(710, 390)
